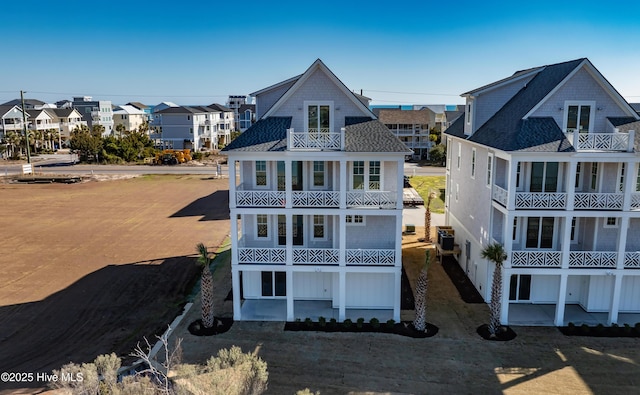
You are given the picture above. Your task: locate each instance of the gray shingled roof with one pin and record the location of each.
(507, 131)
(635, 106)
(362, 134)
(219, 107)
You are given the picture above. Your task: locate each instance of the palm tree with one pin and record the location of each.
(427, 218)
(496, 254)
(206, 285)
(14, 140)
(420, 323)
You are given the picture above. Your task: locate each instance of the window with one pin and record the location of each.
(459, 154)
(579, 116)
(469, 108)
(540, 232)
(318, 117)
(621, 170)
(318, 226)
(318, 174)
(489, 170)
(366, 175)
(457, 191)
(611, 222)
(518, 172)
(262, 226)
(355, 220)
(594, 175)
(188, 117)
(261, 173)
(274, 281)
(514, 235)
(473, 163)
(544, 177)
(449, 145)
(578, 175)
(638, 180)
(574, 230)
(520, 287)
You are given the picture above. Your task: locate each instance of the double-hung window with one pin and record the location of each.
(319, 178)
(261, 173)
(366, 175)
(318, 116)
(262, 226)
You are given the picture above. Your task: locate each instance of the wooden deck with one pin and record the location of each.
(411, 197)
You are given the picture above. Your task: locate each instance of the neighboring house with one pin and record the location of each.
(11, 119)
(95, 112)
(450, 117)
(29, 104)
(411, 127)
(318, 198)
(68, 119)
(545, 162)
(244, 113)
(246, 117)
(193, 127)
(130, 117)
(636, 107)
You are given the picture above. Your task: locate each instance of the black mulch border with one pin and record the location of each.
(404, 328)
(220, 325)
(503, 334)
(458, 277)
(600, 331)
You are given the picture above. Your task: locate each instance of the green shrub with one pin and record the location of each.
(360, 322)
(347, 323)
(196, 156)
(333, 322)
(600, 328)
(627, 328)
(322, 321)
(308, 322)
(375, 323)
(390, 324)
(584, 328)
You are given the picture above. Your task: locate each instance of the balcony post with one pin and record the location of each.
(342, 133)
(566, 242)
(232, 184)
(288, 184)
(622, 241)
(615, 299)
(571, 185)
(342, 295)
(632, 134)
(511, 184)
(562, 300)
(343, 183)
(289, 238)
(576, 139)
(629, 185)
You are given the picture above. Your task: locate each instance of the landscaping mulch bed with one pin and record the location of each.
(404, 328)
(600, 330)
(504, 333)
(407, 301)
(458, 277)
(220, 325)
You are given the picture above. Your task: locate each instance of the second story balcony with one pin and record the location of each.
(602, 141)
(315, 139)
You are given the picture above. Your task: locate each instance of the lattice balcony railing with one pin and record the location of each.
(500, 195)
(632, 260)
(541, 200)
(370, 256)
(272, 256)
(371, 198)
(260, 198)
(316, 198)
(315, 139)
(536, 259)
(595, 259)
(602, 201)
(316, 256)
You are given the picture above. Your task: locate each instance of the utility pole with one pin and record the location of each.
(24, 127)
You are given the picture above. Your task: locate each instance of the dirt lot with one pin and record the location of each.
(91, 268)
(455, 361)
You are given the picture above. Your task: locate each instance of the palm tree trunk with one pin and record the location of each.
(427, 226)
(420, 323)
(207, 297)
(496, 300)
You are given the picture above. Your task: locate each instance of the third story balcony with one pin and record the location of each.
(315, 139)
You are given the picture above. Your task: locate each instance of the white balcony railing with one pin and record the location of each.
(602, 201)
(536, 259)
(315, 139)
(315, 256)
(260, 198)
(541, 200)
(602, 141)
(370, 198)
(500, 195)
(635, 201)
(371, 256)
(577, 259)
(316, 198)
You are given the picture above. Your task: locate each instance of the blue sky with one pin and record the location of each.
(406, 52)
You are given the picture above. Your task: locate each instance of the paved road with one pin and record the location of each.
(64, 165)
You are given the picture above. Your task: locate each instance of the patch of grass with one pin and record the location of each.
(425, 184)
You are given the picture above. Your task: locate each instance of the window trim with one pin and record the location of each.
(313, 175)
(313, 227)
(349, 219)
(255, 175)
(489, 178)
(256, 226)
(606, 225)
(366, 181)
(579, 103)
(593, 177)
(308, 103)
(473, 162)
(620, 177)
(459, 154)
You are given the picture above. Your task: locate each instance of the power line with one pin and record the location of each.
(412, 93)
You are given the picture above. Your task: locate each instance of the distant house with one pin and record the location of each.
(11, 119)
(318, 202)
(68, 119)
(130, 117)
(193, 127)
(95, 112)
(546, 163)
(29, 104)
(411, 127)
(244, 112)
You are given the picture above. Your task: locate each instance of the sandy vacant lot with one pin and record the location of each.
(91, 268)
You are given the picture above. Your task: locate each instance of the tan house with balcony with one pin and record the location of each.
(545, 162)
(316, 188)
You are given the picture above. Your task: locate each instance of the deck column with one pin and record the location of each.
(615, 299)
(562, 300)
(342, 295)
